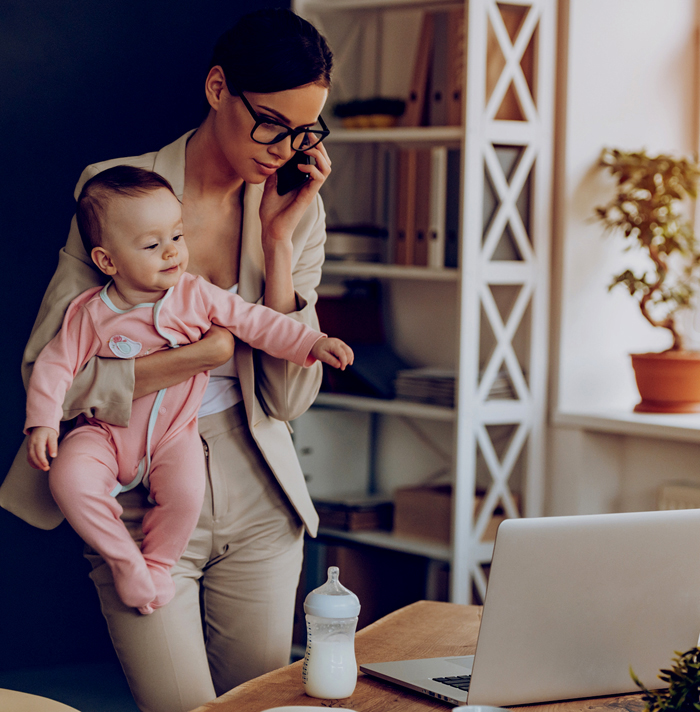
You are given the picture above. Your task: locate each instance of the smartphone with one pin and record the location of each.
(289, 177)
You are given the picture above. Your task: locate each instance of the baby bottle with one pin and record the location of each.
(330, 670)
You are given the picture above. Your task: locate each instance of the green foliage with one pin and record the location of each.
(646, 209)
(683, 692)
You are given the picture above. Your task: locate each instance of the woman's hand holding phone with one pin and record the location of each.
(279, 217)
(280, 214)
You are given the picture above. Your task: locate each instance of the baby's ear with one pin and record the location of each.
(102, 259)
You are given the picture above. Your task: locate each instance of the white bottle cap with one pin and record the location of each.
(332, 600)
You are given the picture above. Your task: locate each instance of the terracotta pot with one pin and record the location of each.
(668, 382)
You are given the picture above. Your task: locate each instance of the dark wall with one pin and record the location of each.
(80, 81)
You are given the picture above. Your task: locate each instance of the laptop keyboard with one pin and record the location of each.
(461, 682)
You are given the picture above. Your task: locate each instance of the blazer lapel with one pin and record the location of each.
(170, 163)
(251, 281)
(251, 272)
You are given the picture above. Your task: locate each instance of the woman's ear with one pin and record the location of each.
(102, 259)
(214, 86)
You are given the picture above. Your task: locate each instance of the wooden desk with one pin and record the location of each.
(13, 701)
(425, 629)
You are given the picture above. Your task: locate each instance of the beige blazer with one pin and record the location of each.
(274, 391)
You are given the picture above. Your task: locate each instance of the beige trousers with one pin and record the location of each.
(232, 615)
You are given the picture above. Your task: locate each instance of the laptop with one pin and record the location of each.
(572, 604)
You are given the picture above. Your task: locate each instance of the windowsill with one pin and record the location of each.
(664, 426)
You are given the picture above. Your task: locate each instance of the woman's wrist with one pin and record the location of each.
(277, 246)
(279, 283)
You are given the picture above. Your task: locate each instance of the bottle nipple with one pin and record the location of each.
(332, 600)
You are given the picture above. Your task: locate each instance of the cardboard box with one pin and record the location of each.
(425, 512)
(355, 513)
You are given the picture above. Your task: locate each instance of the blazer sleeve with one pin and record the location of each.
(104, 388)
(285, 389)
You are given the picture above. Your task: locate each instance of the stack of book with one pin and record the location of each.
(435, 386)
(355, 512)
(502, 388)
(356, 243)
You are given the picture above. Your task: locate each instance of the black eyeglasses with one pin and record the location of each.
(267, 131)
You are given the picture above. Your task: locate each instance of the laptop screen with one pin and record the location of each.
(573, 602)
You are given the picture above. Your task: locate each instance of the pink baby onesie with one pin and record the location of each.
(161, 445)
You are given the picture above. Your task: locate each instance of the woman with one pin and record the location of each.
(232, 615)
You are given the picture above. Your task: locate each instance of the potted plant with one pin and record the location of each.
(683, 680)
(647, 210)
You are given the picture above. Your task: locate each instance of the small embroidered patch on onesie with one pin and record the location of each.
(124, 347)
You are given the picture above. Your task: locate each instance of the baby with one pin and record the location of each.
(131, 223)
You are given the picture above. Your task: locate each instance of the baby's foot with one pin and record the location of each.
(134, 584)
(163, 584)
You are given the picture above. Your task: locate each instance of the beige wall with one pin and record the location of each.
(628, 77)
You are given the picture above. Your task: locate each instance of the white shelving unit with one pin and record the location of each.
(387, 540)
(389, 407)
(494, 306)
(404, 135)
(382, 271)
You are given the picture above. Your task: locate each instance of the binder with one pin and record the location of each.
(423, 196)
(455, 66)
(439, 71)
(452, 208)
(405, 207)
(438, 191)
(422, 215)
(415, 114)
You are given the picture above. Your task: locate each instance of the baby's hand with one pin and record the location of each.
(334, 352)
(41, 439)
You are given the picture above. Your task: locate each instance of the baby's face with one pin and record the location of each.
(143, 236)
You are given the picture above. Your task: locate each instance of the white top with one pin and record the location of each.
(223, 390)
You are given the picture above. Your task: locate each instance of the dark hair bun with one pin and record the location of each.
(273, 50)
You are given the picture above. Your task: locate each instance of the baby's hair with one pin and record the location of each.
(126, 181)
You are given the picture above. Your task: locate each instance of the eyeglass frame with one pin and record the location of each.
(288, 132)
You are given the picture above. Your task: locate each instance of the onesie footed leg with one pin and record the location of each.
(162, 582)
(81, 480)
(133, 583)
(177, 487)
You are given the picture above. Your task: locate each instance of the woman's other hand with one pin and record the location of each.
(168, 368)
(216, 346)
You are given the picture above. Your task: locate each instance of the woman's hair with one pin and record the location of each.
(127, 181)
(273, 50)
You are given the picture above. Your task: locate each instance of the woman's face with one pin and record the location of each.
(233, 123)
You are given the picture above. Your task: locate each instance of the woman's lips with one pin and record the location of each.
(266, 169)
